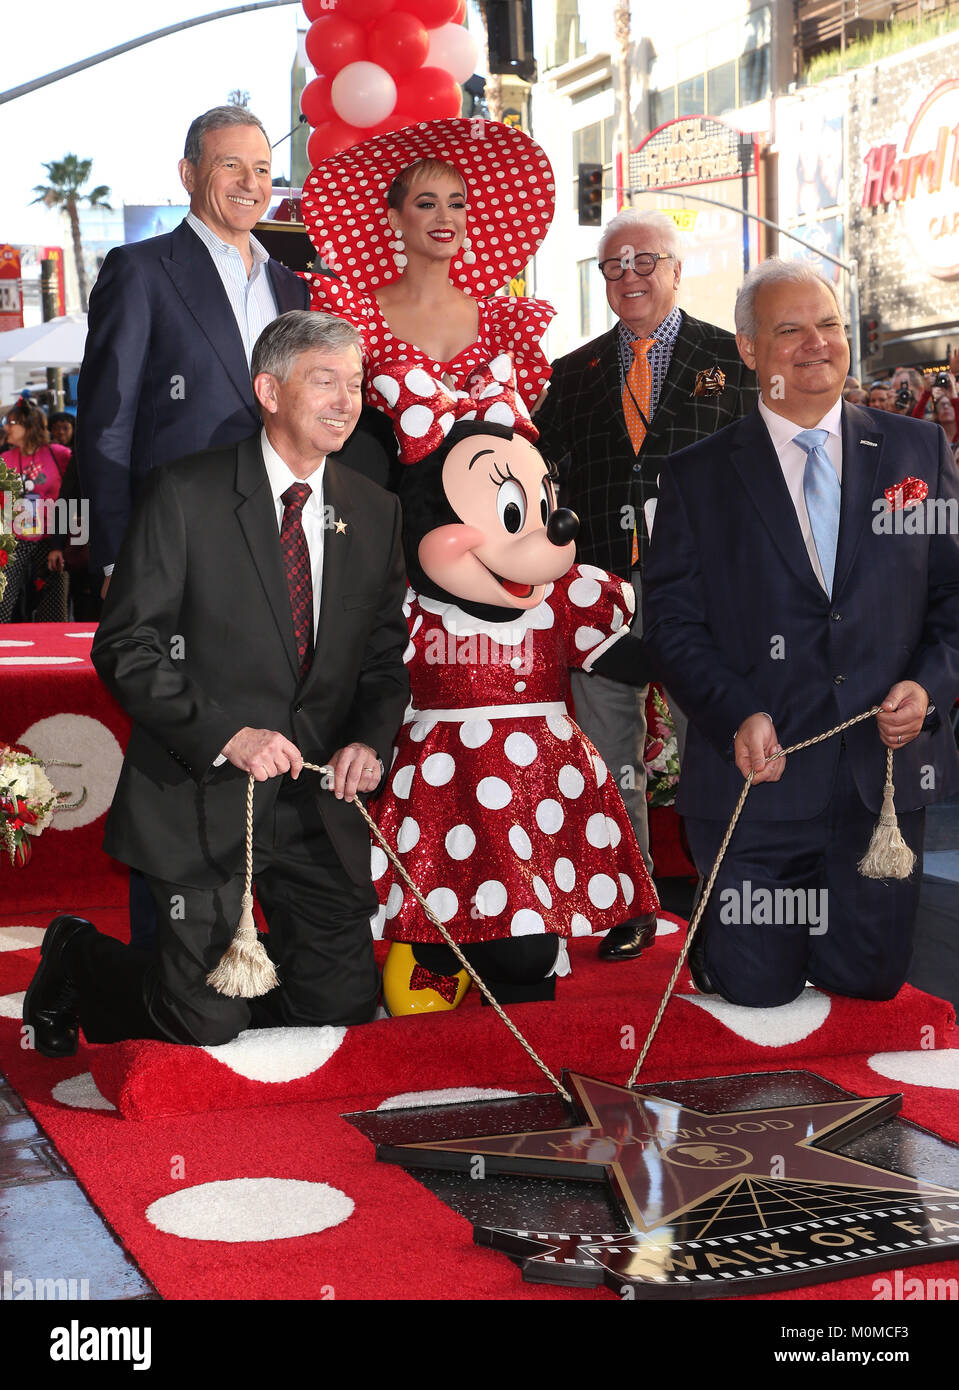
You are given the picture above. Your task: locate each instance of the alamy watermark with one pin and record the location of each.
(751, 906)
(446, 649)
(29, 517)
(930, 516)
(14, 1287)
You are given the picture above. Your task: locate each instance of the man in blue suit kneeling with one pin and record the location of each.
(804, 567)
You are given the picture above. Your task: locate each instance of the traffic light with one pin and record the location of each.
(590, 199)
(509, 32)
(870, 338)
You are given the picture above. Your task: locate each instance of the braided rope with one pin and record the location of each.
(431, 915)
(247, 899)
(704, 898)
(527, 1047)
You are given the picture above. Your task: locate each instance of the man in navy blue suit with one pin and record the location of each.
(804, 567)
(172, 323)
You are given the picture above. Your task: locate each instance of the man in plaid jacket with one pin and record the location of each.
(610, 442)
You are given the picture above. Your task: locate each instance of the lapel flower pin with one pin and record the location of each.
(711, 381)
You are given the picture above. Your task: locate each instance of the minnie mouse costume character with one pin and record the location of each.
(504, 814)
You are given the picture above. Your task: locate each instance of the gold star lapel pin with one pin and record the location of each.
(340, 526)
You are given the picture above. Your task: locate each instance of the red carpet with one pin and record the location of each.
(263, 1191)
(55, 705)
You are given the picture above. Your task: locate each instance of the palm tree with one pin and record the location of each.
(67, 176)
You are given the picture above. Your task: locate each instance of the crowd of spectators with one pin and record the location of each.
(929, 395)
(48, 578)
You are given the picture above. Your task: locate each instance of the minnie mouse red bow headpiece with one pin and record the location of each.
(424, 410)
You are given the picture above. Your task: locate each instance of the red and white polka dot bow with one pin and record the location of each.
(424, 410)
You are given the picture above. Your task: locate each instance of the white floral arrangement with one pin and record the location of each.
(28, 801)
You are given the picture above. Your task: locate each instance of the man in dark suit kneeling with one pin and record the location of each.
(254, 621)
(804, 568)
(166, 364)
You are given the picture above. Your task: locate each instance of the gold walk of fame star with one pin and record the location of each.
(711, 1201)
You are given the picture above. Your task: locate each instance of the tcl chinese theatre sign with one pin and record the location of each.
(921, 176)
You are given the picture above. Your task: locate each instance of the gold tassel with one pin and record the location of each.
(245, 971)
(888, 855)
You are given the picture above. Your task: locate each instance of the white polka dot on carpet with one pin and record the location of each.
(278, 1054)
(665, 927)
(939, 1068)
(82, 1093)
(778, 1027)
(20, 938)
(11, 1005)
(241, 1209)
(452, 1095)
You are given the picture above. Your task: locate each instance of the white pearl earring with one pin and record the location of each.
(469, 255)
(399, 248)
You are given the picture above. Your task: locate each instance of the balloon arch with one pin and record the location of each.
(382, 65)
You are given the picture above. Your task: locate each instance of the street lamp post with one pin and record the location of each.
(37, 82)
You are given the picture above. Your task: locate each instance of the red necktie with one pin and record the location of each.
(299, 576)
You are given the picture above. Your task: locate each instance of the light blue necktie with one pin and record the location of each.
(822, 492)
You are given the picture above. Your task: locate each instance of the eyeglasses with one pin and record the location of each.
(643, 264)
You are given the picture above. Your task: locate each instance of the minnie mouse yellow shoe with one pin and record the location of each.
(409, 988)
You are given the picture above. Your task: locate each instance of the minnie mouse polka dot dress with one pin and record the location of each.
(507, 325)
(502, 811)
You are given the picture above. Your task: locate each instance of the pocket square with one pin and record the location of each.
(906, 494)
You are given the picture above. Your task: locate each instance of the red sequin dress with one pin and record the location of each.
(505, 325)
(502, 811)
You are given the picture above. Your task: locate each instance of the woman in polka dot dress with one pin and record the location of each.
(505, 815)
(423, 225)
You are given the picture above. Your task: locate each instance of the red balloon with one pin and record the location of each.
(315, 102)
(428, 94)
(332, 42)
(315, 8)
(364, 10)
(399, 42)
(433, 13)
(330, 138)
(384, 127)
(460, 15)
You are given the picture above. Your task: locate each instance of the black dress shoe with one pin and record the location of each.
(49, 1005)
(630, 939)
(696, 960)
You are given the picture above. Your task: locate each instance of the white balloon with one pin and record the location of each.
(453, 48)
(363, 94)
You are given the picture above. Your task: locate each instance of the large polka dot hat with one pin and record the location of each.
(511, 196)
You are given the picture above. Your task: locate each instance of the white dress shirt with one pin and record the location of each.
(792, 461)
(281, 478)
(251, 296)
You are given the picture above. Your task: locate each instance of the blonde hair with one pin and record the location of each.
(416, 173)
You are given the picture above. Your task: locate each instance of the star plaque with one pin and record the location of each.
(709, 1203)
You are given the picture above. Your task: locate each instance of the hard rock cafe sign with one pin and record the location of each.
(921, 176)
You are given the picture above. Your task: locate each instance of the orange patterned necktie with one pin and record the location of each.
(637, 400)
